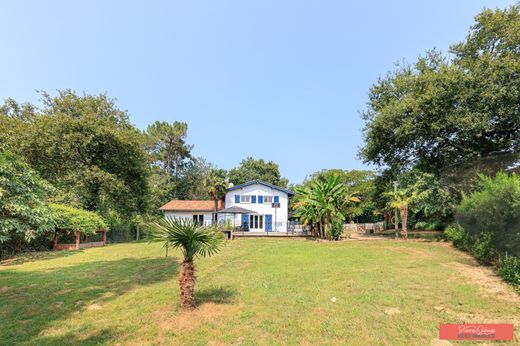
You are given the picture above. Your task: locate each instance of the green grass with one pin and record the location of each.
(256, 291)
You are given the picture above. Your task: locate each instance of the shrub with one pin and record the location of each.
(73, 219)
(509, 269)
(335, 230)
(426, 225)
(494, 208)
(457, 235)
(483, 248)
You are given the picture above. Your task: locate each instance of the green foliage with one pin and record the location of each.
(77, 220)
(438, 113)
(494, 208)
(23, 210)
(336, 229)
(482, 247)
(252, 169)
(455, 233)
(216, 183)
(321, 204)
(85, 146)
(166, 146)
(188, 236)
(359, 185)
(509, 269)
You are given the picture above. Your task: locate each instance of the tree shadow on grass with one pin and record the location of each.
(218, 295)
(36, 256)
(33, 301)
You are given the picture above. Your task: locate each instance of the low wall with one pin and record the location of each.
(60, 247)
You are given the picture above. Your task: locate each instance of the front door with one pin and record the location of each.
(268, 223)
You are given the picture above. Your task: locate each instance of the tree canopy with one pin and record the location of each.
(83, 145)
(442, 111)
(253, 169)
(23, 209)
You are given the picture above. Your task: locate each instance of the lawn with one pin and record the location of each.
(256, 291)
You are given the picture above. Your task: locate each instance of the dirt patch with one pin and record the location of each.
(94, 307)
(392, 311)
(489, 283)
(4, 289)
(191, 320)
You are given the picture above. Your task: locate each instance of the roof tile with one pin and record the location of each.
(190, 205)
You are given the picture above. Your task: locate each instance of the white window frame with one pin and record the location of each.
(270, 199)
(243, 199)
(256, 221)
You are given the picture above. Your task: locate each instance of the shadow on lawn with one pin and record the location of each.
(33, 301)
(218, 295)
(36, 256)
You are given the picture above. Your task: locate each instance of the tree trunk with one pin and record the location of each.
(396, 224)
(187, 285)
(215, 207)
(404, 219)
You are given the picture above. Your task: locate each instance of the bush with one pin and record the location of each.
(483, 249)
(73, 219)
(509, 269)
(457, 235)
(426, 225)
(494, 208)
(335, 230)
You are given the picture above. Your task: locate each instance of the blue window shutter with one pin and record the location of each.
(245, 222)
(260, 199)
(253, 199)
(276, 199)
(237, 198)
(268, 223)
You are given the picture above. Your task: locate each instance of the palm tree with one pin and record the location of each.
(400, 199)
(216, 184)
(193, 240)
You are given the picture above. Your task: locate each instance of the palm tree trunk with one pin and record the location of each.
(396, 224)
(404, 219)
(215, 207)
(187, 285)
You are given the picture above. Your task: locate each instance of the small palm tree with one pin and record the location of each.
(216, 184)
(401, 200)
(193, 240)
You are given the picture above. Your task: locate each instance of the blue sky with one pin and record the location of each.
(273, 79)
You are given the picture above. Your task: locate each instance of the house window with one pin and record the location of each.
(256, 221)
(268, 199)
(197, 218)
(245, 199)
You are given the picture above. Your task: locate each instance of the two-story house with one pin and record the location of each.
(255, 206)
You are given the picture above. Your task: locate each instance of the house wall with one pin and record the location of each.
(263, 209)
(189, 215)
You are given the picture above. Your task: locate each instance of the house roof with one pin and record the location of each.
(254, 182)
(236, 210)
(190, 205)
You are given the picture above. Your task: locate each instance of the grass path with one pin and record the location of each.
(257, 291)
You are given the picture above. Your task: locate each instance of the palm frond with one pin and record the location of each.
(190, 237)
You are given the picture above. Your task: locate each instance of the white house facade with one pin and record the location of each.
(268, 206)
(255, 206)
